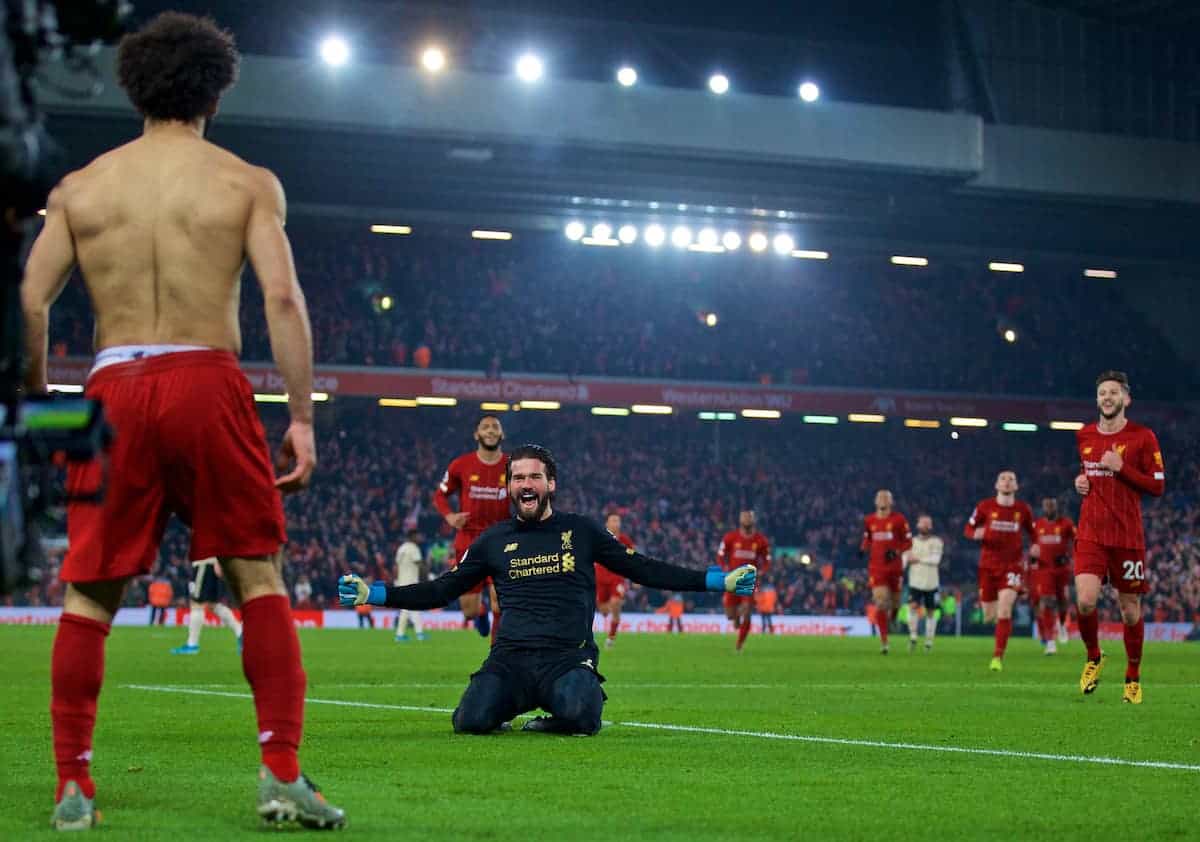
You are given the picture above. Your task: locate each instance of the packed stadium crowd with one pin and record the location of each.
(543, 304)
(679, 484)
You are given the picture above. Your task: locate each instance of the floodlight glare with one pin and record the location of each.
(708, 237)
(783, 243)
(758, 241)
(732, 240)
(529, 68)
(681, 236)
(601, 231)
(627, 234)
(809, 92)
(718, 83)
(627, 77)
(655, 236)
(574, 230)
(433, 59)
(335, 51)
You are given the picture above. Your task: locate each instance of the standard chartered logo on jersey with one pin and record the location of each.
(538, 565)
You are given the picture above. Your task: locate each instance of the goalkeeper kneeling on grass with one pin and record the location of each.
(542, 563)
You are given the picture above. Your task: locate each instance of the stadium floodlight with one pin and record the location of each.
(614, 411)
(708, 237)
(1010, 335)
(627, 234)
(627, 77)
(260, 397)
(654, 236)
(866, 418)
(954, 434)
(549, 405)
(406, 403)
(529, 68)
(433, 59)
(997, 266)
(718, 83)
(710, 319)
(959, 421)
(601, 231)
(575, 230)
(1019, 427)
(402, 230)
(922, 423)
(681, 236)
(732, 240)
(809, 254)
(758, 241)
(493, 406)
(334, 50)
(820, 419)
(1109, 274)
(484, 234)
(783, 243)
(806, 559)
(436, 400)
(651, 409)
(765, 414)
(1066, 425)
(809, 91)
(593, 241)
(386, 302)
(902, 260)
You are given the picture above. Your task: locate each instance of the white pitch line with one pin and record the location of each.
(724, 732)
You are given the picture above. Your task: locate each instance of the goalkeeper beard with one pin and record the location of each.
(535, 514)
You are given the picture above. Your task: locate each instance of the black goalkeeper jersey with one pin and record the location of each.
(545, 578)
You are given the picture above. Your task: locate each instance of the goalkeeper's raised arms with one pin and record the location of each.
(739, 581)
(353, 591)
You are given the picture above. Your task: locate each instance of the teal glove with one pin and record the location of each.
(353, 591)
(739, 581)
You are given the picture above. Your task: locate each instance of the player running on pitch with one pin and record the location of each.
(923, 560)
(744, 545)
(1051, 554)
(610, 587)
(478, 479)
(885, 537)
(543, 565)
(205, 592)
(997, 524)
(1121, 461)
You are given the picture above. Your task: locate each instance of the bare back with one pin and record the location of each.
(159, 227)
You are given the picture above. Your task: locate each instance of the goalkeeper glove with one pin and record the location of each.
(352, 591)
(739, 581)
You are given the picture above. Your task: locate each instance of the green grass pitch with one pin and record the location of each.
(173, 765)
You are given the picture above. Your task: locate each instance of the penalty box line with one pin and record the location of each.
(726, 732)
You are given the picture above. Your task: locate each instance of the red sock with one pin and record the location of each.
(1089, 631)
(1048, 624)
(1134, 635)
(613, 625)
(1003, 630)
(495, 625)
(76, 673)
(743, 630)
(271, 662)
(881, 621)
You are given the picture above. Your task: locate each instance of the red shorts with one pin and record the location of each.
(992, 580)
(189, 441)
(732, 600)
(460, 550)
(885, 577)
(1125, 568)
(1053, 582)
(606, 592)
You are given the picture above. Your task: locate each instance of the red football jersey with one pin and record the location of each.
(1111, 512)
(1054, 538)
(604, 576)
(1002, 543)
(482, 491)
(737, 549)
(881, 534)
